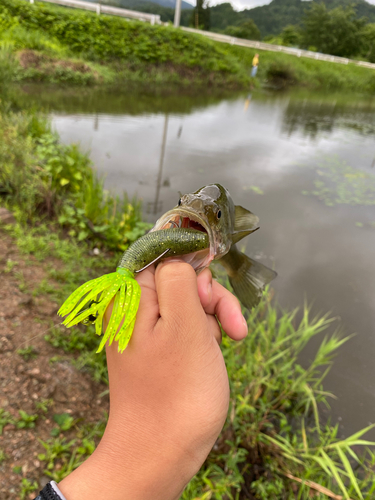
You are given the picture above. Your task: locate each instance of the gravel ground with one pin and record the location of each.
(24, 320)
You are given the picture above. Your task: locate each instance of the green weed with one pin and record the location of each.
(3, 456)
(27, 487)
(10, 264)
(43, 405)
(5, 418)
(64, 422)
(28, 353)
(25, 420)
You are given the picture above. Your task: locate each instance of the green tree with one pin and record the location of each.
(201, 15)
(246, 29)
(335, 31)
(368, 40)
(291, 35)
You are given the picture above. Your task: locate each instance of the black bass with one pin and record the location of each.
(211, 210)
(204, 226)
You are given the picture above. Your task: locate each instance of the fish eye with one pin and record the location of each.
(218, 215)
(179, 202)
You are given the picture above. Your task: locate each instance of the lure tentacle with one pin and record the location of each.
(97, 294)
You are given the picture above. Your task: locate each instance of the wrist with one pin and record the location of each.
(150, 468)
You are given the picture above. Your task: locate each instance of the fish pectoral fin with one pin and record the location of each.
(244, 220)
(237, 236)
(153, 262)
(247, 276)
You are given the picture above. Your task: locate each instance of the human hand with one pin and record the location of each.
(169, 390)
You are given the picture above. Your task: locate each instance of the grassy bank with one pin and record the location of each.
(273, 445)
(113, 49)
(46, 43)
(282, 70)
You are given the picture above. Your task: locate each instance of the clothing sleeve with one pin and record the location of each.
(50, 492)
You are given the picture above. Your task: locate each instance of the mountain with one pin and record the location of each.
(272, 18)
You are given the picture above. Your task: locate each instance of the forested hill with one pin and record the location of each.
(272, 18)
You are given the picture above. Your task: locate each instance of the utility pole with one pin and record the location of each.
(177, 14)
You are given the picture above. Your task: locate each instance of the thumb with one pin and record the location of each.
(176, 286)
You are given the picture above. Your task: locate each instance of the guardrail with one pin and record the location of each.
(155, 19)
(106, 9)
(277, 48)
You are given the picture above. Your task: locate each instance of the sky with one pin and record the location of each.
(247, 4)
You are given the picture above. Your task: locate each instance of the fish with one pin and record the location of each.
(204, 226)
(211, 210)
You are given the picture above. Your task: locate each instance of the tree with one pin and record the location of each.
(201, 15)
(291, 35)
(246, 29)
(335, 31)
(368, 39)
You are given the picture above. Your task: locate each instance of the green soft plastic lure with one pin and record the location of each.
(92, 298)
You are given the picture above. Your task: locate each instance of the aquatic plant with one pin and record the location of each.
(338, 183)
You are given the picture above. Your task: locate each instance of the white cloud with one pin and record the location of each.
(249, 4)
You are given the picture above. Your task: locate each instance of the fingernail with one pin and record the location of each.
(171, 259)
(245, 323)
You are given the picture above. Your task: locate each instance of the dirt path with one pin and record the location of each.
(31, 382)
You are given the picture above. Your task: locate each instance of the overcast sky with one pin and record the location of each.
(247, 4)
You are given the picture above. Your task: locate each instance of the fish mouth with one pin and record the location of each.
(182, 218)
(189, 218)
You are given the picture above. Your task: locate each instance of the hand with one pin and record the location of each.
(169, 390)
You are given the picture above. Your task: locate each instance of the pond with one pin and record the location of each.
(304, 163)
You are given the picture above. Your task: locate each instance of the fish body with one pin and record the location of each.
(204, 226)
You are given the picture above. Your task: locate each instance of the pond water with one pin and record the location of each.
(304, 163)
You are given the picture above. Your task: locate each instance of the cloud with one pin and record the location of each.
(249, 4)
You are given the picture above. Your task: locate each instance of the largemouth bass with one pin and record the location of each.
(204, 226)
(211, 210)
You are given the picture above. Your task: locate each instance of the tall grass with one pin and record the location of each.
(273, 445)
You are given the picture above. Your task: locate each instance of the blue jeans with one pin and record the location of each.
(254, 71)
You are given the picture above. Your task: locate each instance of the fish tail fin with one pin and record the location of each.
(96, 296)
(247, 276)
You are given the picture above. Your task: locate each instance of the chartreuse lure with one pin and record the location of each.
(90, 301)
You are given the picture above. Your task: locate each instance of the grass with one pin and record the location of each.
(46, 43)
(44, 181)
(282, 70)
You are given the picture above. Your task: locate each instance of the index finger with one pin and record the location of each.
(217, 300)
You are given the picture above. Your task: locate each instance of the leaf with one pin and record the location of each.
(64, 182)
(335, 473)
(349, 470)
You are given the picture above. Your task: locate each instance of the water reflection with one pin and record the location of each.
(268, 151)
(157, 205)
(314, 117)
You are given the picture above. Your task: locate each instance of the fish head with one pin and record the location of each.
(211, 210)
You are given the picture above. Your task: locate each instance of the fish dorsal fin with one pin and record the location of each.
(244, 220)
(245, 223)
(241, 234)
